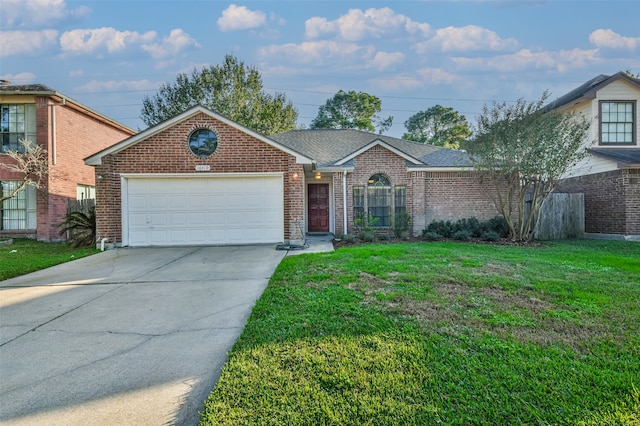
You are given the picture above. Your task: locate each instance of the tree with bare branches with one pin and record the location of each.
(32, 167)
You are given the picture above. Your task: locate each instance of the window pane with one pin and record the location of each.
(401, 199)
(379, 200)
(358, 202)
(17, 210)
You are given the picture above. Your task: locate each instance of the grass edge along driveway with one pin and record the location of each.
(24, 256)
(448, 333)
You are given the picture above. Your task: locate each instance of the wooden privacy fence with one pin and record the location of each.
(80, 205)
(561, 217)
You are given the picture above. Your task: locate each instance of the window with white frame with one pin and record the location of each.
(85, 192)
(617, 122)
(19, 211)
(17, 122)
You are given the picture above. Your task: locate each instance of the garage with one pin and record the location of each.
(211, 209)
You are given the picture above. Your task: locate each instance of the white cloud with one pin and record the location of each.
(20, 78)
(437, 76)
(318, 52)
(567, 60)
(526, 59)
(85, 41)
(236, 18)
(470, 37)
(385, 60)
(25, 42)
(613, 40)
(357, 25)
(37, 13)
(171, 45)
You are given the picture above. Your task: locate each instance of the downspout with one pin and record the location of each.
(344, 201)
(54, 145)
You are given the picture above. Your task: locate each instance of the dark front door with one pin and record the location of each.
(318, 207)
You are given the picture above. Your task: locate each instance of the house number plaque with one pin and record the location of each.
(203, 168)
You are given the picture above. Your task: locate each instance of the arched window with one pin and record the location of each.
(379, 200)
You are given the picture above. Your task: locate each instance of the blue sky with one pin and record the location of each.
(109, 54)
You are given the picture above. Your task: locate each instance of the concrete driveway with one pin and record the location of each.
(128, 336)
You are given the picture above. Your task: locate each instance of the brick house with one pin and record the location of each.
(610, 176)
(68, 131)
(200, 178)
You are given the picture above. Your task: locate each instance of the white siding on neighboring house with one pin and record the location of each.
(591, 165)
(618, 90)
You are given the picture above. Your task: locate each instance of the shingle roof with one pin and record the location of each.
(43, 90)
(624, 155)
(26, 88)
(329, 146)
(588, 89)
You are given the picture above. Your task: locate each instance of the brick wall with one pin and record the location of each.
(377, 160)
(430, 195)
(168, 152)
(631, 183)
(78, 135)
(611, 201)
(458, 195)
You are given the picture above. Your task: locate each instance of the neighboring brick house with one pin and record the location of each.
(68, 131)
(200, 178)
(610, 176)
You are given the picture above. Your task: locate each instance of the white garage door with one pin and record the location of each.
(230, 209)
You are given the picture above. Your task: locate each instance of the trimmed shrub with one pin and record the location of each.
(498, 225)
(445, 229)
(349, 238)
(431, 236)
(462, 235)
(471, 226)
(490, 236)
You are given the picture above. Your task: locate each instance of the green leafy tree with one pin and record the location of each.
(232, 89)
(525, 151)
(632, 75)
(438, 126)
(352, 110)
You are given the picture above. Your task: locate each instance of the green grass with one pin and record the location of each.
(441, 333)
(24, 256)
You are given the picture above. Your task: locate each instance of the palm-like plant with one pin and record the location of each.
(81, 228)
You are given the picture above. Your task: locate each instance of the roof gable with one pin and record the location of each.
(377, 142)
(96, 159)
(337, 148)
(589, 89)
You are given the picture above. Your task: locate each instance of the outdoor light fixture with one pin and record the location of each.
(318, 175)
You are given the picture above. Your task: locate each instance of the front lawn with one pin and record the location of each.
(24, 256)
(441, 333)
